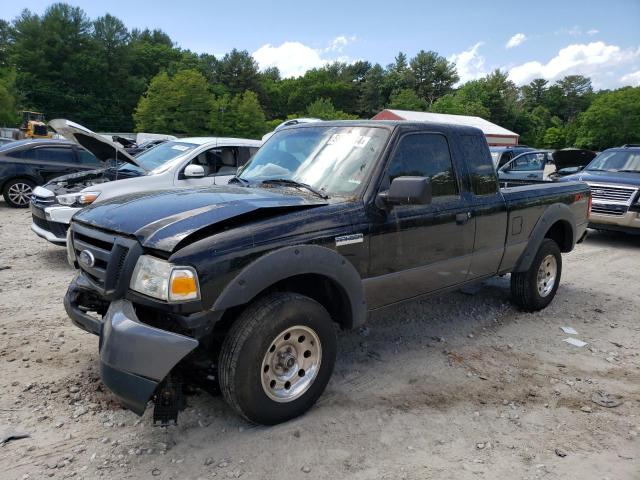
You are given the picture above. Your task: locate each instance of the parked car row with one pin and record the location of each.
(543, 165)
(188, 162)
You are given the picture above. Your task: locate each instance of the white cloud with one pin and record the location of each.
(574, 31)
(338, 43)
(632, 79)
(596, 60)
(593, 31)
(293, 59)
(517, 39)
(469, 63)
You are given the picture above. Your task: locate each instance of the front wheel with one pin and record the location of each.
(534, 289)
(277, 358)
(17, 192)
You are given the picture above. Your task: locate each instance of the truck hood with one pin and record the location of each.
(103, 149)
(163, 219)
(619, 178)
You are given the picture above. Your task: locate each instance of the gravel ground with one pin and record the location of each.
(461, 386)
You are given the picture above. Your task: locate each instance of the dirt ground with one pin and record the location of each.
(462, 386)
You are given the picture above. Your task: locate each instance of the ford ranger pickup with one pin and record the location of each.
(239, 288)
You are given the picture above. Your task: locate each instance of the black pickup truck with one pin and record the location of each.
(239, 287)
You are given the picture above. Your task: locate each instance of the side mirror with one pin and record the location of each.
(407, 191)
(194, 171)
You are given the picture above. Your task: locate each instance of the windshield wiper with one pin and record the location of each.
(627, 170)
(239, 180)
(293, 183)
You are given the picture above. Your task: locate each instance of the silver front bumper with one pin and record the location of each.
(42, 233)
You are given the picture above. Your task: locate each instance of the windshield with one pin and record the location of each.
(616, 160)
(334, 160)
(158, 156)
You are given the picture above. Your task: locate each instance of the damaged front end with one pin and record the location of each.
(137, 361)
(126, 349)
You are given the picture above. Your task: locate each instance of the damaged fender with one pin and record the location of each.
(135, 357)
(297, 260)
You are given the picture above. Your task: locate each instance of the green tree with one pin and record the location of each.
(577, 93)
(372, 95)
(238, 116)
(181, 104)
(8, 107)
(432, 75)
(324, 109)
(238, 71)
(533, 95)
(407, 99)
(553, 138)
(459, 105)
(612, 119)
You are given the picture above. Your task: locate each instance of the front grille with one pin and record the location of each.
(108, 255)
(616, 210)
(43, 200)
(57, 228)
(40, 222)
(617, 194)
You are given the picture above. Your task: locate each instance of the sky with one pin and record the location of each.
(547, 39)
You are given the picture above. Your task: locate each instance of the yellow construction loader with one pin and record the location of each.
(33, 126)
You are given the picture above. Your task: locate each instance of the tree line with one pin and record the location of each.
(109, 78)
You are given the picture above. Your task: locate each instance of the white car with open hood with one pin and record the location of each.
(182, 163)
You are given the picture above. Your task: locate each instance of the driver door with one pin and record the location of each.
(418, 249)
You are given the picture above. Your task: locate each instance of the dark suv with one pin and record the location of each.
(614, 178)
(27, 163)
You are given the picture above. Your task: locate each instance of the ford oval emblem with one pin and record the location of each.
(86, 258)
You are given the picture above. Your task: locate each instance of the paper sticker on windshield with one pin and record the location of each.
(180, 148)
(358, 141)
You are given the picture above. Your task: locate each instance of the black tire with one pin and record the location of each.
(525, 290)
(17, 192)
(256, 332)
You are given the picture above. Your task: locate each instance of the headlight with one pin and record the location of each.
(159, 279)
(71, 253)
(80, 198)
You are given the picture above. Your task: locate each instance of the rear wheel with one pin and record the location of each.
(277, 358)
(534, 289)
(17, 192)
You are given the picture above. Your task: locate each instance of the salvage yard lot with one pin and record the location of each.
(458, 386)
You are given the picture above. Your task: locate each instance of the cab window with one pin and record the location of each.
(425, 155)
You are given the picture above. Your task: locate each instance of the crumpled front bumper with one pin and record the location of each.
(134, 357)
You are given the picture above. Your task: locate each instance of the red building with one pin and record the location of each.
(497, 136)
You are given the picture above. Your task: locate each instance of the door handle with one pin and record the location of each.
(532, 175)
(462, 218)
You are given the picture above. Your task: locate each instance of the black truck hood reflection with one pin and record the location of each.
(162, 219)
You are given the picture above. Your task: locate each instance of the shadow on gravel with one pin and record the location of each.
(54, 257)
(612, 239)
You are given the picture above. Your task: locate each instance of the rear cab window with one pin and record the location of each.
(480, 165)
